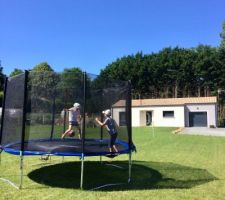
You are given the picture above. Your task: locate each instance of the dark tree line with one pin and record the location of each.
(172, 72)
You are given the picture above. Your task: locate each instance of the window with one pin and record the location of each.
(168, 114)
(122, 119)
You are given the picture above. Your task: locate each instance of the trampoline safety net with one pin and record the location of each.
(35, 115)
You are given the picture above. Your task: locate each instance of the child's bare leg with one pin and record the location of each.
(79, 132)
(67, 131)
(64, 134)
(114, 147)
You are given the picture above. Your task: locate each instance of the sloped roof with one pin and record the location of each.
(168, 101)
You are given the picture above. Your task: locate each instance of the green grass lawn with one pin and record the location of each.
(166, 166)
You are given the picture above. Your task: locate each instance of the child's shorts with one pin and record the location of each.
(113, 139)
(73, 123)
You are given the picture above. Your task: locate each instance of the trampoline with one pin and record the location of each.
(34, 117)
(66, 147)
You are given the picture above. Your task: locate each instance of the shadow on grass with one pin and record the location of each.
(145, 175)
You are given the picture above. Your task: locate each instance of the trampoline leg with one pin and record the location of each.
(130, 164)
(82, 172)
(21, 170)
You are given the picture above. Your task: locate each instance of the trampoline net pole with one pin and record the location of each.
(23, 128)
(130, 165)
(129, 115)
(83, 112)
(21, 170)
(3, 109)
(82, 172)
(23, 133)
(53, 114)
(83, 130)
(101, 134)
(2, 118)
(64, 121)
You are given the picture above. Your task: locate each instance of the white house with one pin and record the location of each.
(170, 112)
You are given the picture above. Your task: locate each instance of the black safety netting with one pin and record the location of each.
(13, 110)
(49, 95)
(112, 95)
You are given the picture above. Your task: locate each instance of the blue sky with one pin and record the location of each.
(91, 34)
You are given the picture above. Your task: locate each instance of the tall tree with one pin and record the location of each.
(222, 35)
(15, 72)
(221, 81)
(71, 86)
(206, 70)
(42, 67)
(42, 83)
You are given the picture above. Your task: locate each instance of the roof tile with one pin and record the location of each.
(168, 101)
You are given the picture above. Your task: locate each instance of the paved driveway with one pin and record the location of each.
(204, 131)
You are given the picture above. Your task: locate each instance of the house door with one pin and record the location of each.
(198, 119)
(148, 118)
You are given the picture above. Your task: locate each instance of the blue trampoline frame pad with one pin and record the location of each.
(66, 147)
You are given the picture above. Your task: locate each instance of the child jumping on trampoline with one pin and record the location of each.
(74, 121)
(111, 128)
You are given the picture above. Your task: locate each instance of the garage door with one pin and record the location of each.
(198, 119)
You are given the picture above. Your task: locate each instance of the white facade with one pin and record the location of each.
(210, 109)
(180, 112)
(139, 117)
(116, 114)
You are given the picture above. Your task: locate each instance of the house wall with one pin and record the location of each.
(211, 110)
(139, 116)
(115, 114)
(180, 119)
(176, 121)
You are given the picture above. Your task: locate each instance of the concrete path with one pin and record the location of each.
(204, 131)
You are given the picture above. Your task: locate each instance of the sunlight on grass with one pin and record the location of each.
(166, 166)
